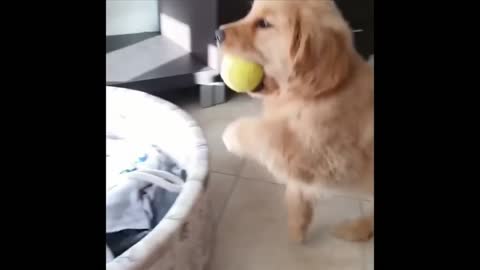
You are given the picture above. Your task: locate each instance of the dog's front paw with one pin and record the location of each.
(231, 138)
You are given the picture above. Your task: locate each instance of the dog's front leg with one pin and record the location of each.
(238, 137)
(256, 138)
(300, 213)
(265, 141)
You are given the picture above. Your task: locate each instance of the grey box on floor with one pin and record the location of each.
(212, 94)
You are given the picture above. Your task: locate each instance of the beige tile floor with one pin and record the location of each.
(250, 217)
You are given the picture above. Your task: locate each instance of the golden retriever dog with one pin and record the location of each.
(315, 133)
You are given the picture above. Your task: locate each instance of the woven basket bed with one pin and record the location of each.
(183, 238)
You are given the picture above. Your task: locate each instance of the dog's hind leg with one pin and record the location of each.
(360, 229)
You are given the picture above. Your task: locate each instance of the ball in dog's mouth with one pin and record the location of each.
(241, 74)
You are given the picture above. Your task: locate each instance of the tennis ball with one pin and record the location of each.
(239, 74)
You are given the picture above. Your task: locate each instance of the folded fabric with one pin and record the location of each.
(141, 198)
(109, 255)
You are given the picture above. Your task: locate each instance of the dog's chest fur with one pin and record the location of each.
(333, 136)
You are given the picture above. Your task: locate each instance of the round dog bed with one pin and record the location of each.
(182, 239)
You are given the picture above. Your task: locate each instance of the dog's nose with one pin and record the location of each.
(220, 35)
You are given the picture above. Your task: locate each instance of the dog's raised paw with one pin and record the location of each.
(230, 138)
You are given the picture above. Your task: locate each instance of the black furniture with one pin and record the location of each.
(359, 14)
(157, 62)
(178, 57)
(154, 64)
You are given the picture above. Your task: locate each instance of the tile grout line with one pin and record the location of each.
(260, 180)
(224, 173)
(362, 209)
(357, 199)
(234, 186)
(363, 248)
(246, 177)
(364, 257)
(280, 184)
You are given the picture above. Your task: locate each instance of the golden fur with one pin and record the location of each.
(316, 130)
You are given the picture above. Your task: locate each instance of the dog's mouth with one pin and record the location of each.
(260, 87)
(268, 85)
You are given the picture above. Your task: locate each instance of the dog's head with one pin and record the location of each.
(305, 46)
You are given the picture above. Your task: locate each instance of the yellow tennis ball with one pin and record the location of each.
(239, 74)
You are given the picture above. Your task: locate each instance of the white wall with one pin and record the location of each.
(132, 16)
(191, 24)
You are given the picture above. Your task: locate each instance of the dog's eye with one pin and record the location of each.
(262, 23)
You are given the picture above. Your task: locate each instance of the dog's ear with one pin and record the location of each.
(296, 38)
(320, 59)
(300, 48)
